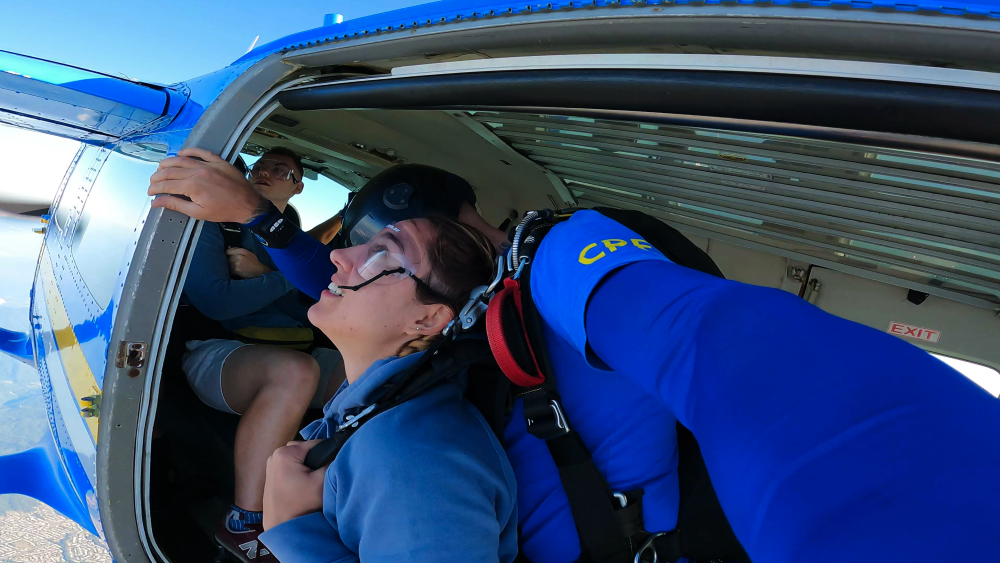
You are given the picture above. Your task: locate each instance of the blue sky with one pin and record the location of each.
(163, 42)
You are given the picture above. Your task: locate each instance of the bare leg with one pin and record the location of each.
(272, 387)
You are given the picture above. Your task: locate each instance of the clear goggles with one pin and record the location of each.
(274, 168)
(384, 261)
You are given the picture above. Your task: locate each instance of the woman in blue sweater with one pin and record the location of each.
(427, 480)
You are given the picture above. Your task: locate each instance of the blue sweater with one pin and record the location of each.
(425, 481)
(268, 300)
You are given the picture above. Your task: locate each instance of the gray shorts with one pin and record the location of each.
(204, 360)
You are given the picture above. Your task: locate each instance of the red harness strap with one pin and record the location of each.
(498, 341)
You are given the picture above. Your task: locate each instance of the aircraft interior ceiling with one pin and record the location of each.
(918, 217)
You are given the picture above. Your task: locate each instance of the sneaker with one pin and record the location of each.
(244, 545)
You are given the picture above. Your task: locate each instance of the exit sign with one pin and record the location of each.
(917, 332)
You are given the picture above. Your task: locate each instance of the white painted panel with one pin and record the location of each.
(748, 266)
(965, 332)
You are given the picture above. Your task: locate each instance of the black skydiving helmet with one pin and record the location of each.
(405, 191)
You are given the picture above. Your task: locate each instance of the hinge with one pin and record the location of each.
(91, 406)
(812, 290)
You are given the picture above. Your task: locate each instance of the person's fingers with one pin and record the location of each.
(271, 461)
(238, 251)
(318, 480)
(179, 162)
(175, 187)
(188, 208)
(298, 450)
(172, 174)
(203, 154)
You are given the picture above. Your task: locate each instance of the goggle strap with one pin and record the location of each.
(399, 270)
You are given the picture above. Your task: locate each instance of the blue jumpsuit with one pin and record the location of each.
(873, 450)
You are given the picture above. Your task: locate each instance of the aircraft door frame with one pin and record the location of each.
(150, 293)
(71, 320)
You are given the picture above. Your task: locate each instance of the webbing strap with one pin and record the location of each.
(591, 501)
(431, 370)
(232, 234)
(602, 539)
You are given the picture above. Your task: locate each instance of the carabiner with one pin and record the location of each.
(496, 281)
(648, 544)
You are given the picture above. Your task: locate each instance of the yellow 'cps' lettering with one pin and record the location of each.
(612, 244)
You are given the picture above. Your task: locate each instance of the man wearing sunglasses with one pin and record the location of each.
(256, 367)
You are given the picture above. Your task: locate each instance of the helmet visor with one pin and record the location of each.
(365, 230)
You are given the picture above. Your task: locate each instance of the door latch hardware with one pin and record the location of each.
(131, 354)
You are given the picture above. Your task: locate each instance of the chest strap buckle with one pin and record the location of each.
(546, 419)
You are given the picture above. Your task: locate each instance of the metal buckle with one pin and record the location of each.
(478, 301)
(522, 262)
(561, 422)
(352, 420)
(622, 499)
(474, 308)
(559, 417)
(499, 277)
(648, 544)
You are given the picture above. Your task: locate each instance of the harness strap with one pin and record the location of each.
(232, 234)
(591, 501)
(429, 371)
(602, 538)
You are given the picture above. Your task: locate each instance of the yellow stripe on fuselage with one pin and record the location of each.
(81, 377)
